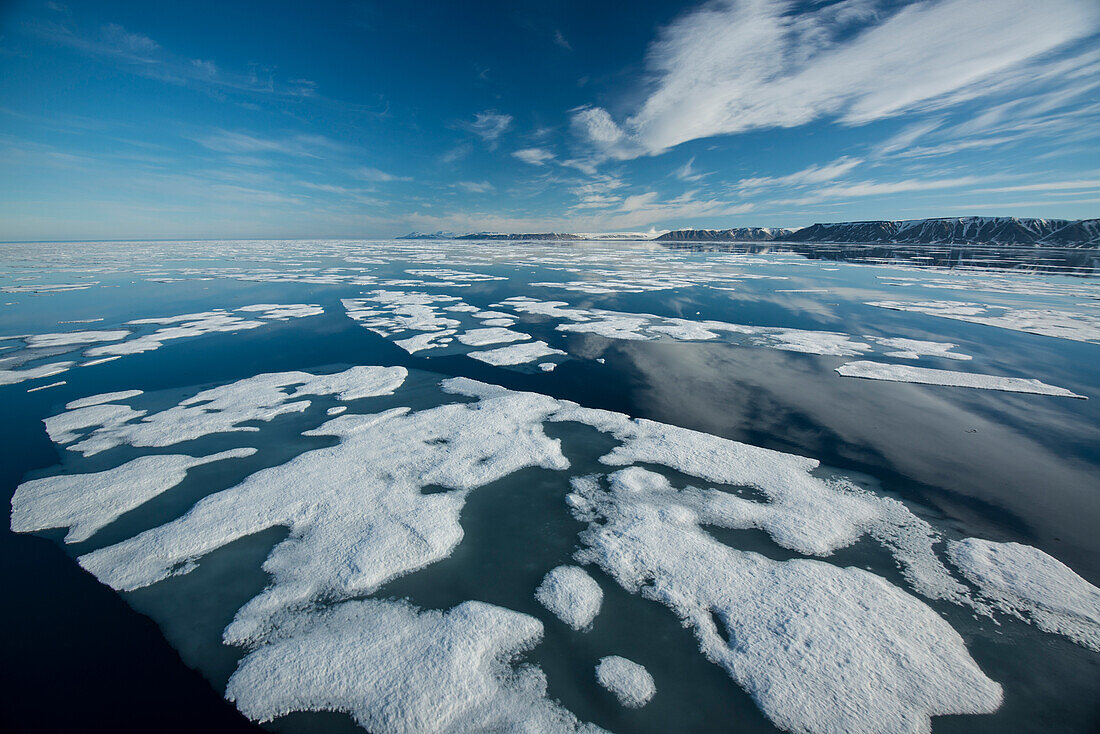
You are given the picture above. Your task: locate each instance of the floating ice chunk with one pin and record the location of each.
(11, 377)
(819, 648)
(336, 410)
(1028, 583)
(516, 353)
(547, 366)
(282, 312)
(179, 327)
(804, 512)
(816, 342)
(491, 335)
(626, 326)
(74, 338)
(219, 410)
(420, 342)
(67, 427)
(927, 376)
(356, 515)
(59, 383)
(630, 682)
(107, 397)
(571, 595)
(397, 670)
(1046, 322)
(84, 503)
(915, 348)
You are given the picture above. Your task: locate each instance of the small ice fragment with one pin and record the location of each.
(630, 682)
(571, 595)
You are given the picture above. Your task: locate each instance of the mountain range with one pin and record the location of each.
(1008, 231)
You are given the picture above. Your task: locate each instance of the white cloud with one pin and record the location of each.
(534, 156)
(475, 187)
(374, 175)
(489, 125)
(815, 174)
(732, 66)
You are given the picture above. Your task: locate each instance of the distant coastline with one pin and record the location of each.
(975, 231)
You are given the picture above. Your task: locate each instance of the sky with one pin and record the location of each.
(126, 120)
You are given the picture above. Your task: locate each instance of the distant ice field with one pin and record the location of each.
(461, 486)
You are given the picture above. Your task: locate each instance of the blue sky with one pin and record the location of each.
(358, 119)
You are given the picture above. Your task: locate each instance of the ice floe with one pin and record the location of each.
(927, 376)
(398, 670)
(356, 515)
(518, 354)
(107, 397)
(819, 648)
(74, 338)
(630, 682)
(84, 503)
(1047, 322)
(491, 335)
(11, 377)
(571, 595)
(217, 410)
(1028, 583)
(915, 348)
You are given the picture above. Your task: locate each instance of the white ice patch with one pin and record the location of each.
(185, 326)
(107, 397)
(517, 354)
(571, 595)
(218, 410)
(1047, 322)
(1029, 584)
(11, 377)
(915, 348)
(630, 682)
(397, 670)
(282, 312)
(356, 515)
(73, 338)
(820, 648)
(927, 376)
(84, 503)
(491, 335)
(641, 327)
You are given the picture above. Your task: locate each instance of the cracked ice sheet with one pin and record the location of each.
(1021, 580)
(950, 378)
(819, 648)
(1045, 322)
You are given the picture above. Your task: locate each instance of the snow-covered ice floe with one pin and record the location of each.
(1047, 322)
(571, 595)
(1025, 582)
(818, 647)
(926, 376)
(630, 682)
(518, 354)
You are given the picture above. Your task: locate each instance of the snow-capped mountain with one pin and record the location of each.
(956, 230)
(737, 234)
